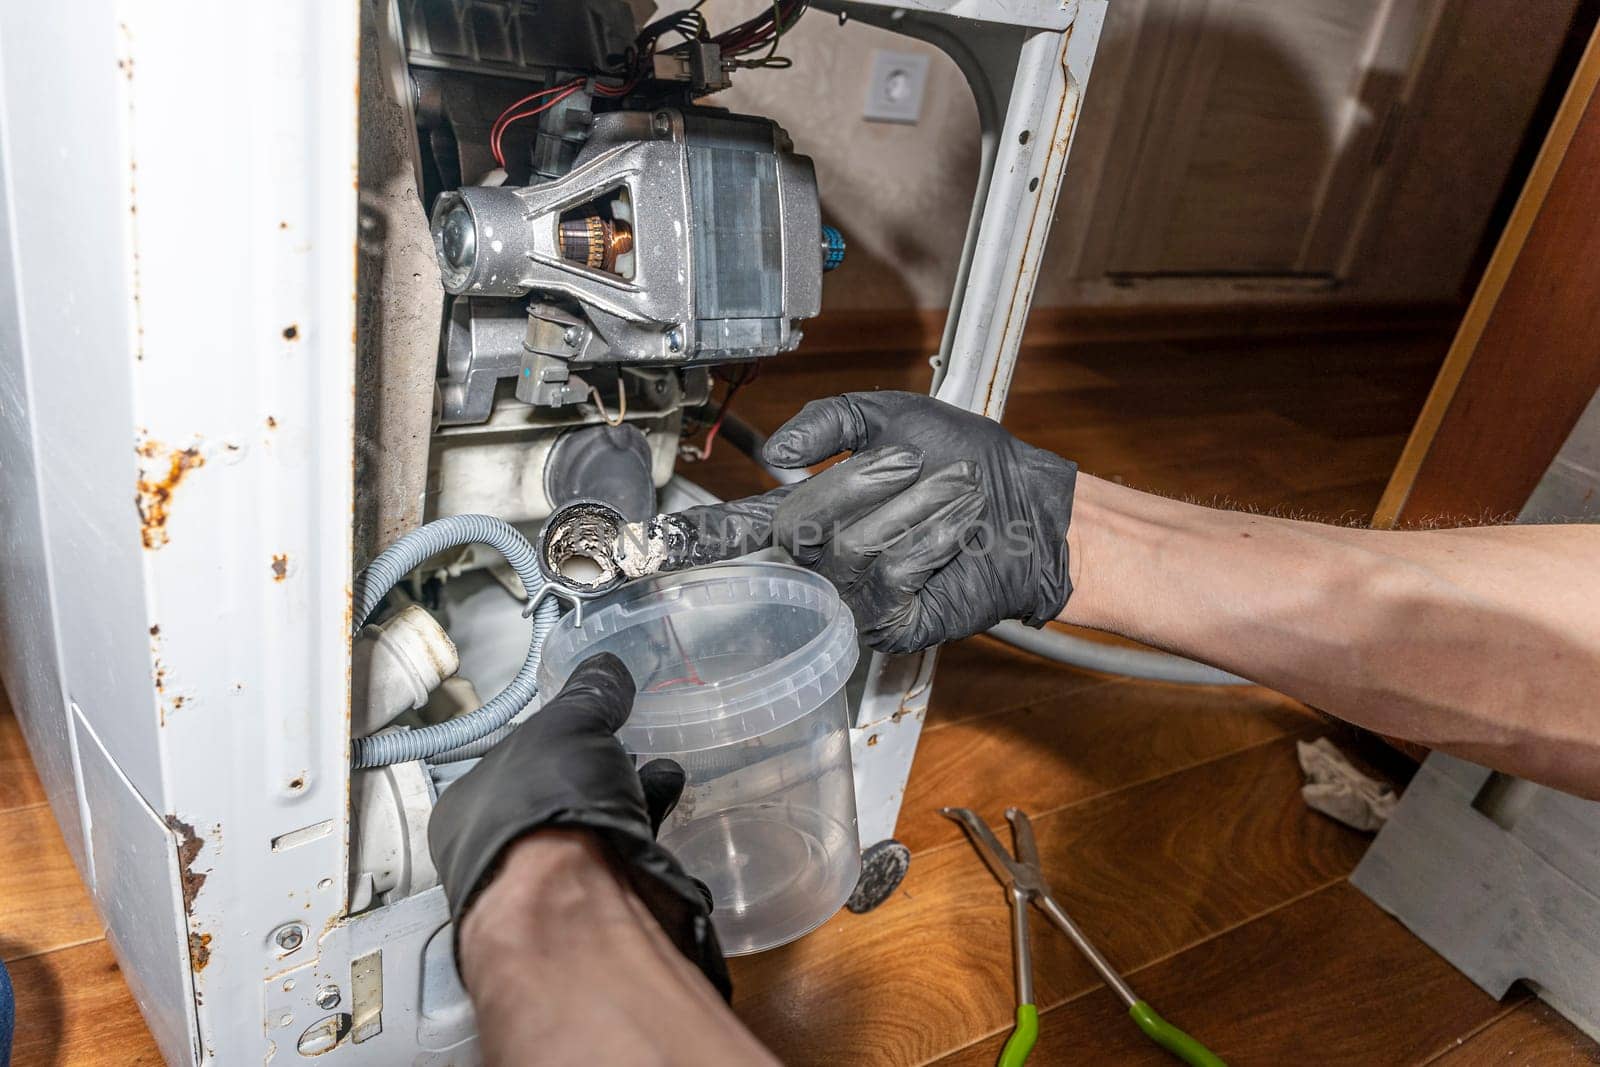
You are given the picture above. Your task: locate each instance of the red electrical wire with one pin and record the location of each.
(510, 114)
(562, 91)
(703, 452)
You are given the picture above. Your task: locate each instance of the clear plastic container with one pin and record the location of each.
(741, 671)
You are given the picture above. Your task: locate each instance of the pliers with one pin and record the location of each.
(1024, 881)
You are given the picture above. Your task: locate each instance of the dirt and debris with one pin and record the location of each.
(189, 845)
(290, 332)
(280, 566)
(160, 472)
(272, 423)
(199, 951)
(155, 629)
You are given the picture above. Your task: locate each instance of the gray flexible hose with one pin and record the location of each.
(1112, 659)
(400, 559)
(477, 747)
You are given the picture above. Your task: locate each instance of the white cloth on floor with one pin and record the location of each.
(1335, 788)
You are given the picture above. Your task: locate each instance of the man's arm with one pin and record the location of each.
(579, 937)
(566, 965)
(1482, 642)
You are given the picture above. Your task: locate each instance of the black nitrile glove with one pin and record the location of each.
(941, 525)
(565, 768)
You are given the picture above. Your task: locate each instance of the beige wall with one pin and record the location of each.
(902, 194)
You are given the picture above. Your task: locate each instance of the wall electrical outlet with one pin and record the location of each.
(894, 91)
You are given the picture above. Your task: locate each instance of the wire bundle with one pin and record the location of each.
(762, 31)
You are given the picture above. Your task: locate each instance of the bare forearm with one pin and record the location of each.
(1483, 642)
(565, 965)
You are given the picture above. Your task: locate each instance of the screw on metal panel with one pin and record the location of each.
(290, 937)
(662, 124)
(573, 336)
(328, 997)
(675, 340)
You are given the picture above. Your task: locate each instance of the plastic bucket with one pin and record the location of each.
(741, 671)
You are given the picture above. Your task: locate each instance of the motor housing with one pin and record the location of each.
(680, 236)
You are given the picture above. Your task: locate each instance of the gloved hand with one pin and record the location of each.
(565, 768)
(941, 525)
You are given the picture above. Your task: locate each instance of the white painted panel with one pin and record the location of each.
(71, 189)
(136, 889)
(29, 662)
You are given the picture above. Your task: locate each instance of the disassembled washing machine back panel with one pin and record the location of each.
(248, 820)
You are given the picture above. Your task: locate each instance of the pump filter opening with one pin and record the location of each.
(578, 550)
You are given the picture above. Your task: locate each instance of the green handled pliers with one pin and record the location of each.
(1024, 881)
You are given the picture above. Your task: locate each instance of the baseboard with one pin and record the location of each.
(919, 329)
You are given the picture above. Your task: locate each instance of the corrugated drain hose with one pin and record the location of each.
(400, 559)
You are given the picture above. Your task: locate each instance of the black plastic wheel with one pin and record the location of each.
(883, 868)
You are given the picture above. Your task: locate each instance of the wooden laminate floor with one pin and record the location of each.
(1168, 817)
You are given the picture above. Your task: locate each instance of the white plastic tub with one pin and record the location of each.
(741, 671)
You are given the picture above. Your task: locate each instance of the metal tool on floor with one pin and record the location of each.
(1024, 880)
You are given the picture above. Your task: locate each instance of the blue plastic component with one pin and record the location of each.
(832, 248)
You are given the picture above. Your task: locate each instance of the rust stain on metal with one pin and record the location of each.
(1058, 146)
(189, 845)
(161, 469)
(272, 423)
(280, 566)
(160, 679)
(199, 951)
(125, 65)
(291, 332)
(155, 629)
(872, 740)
